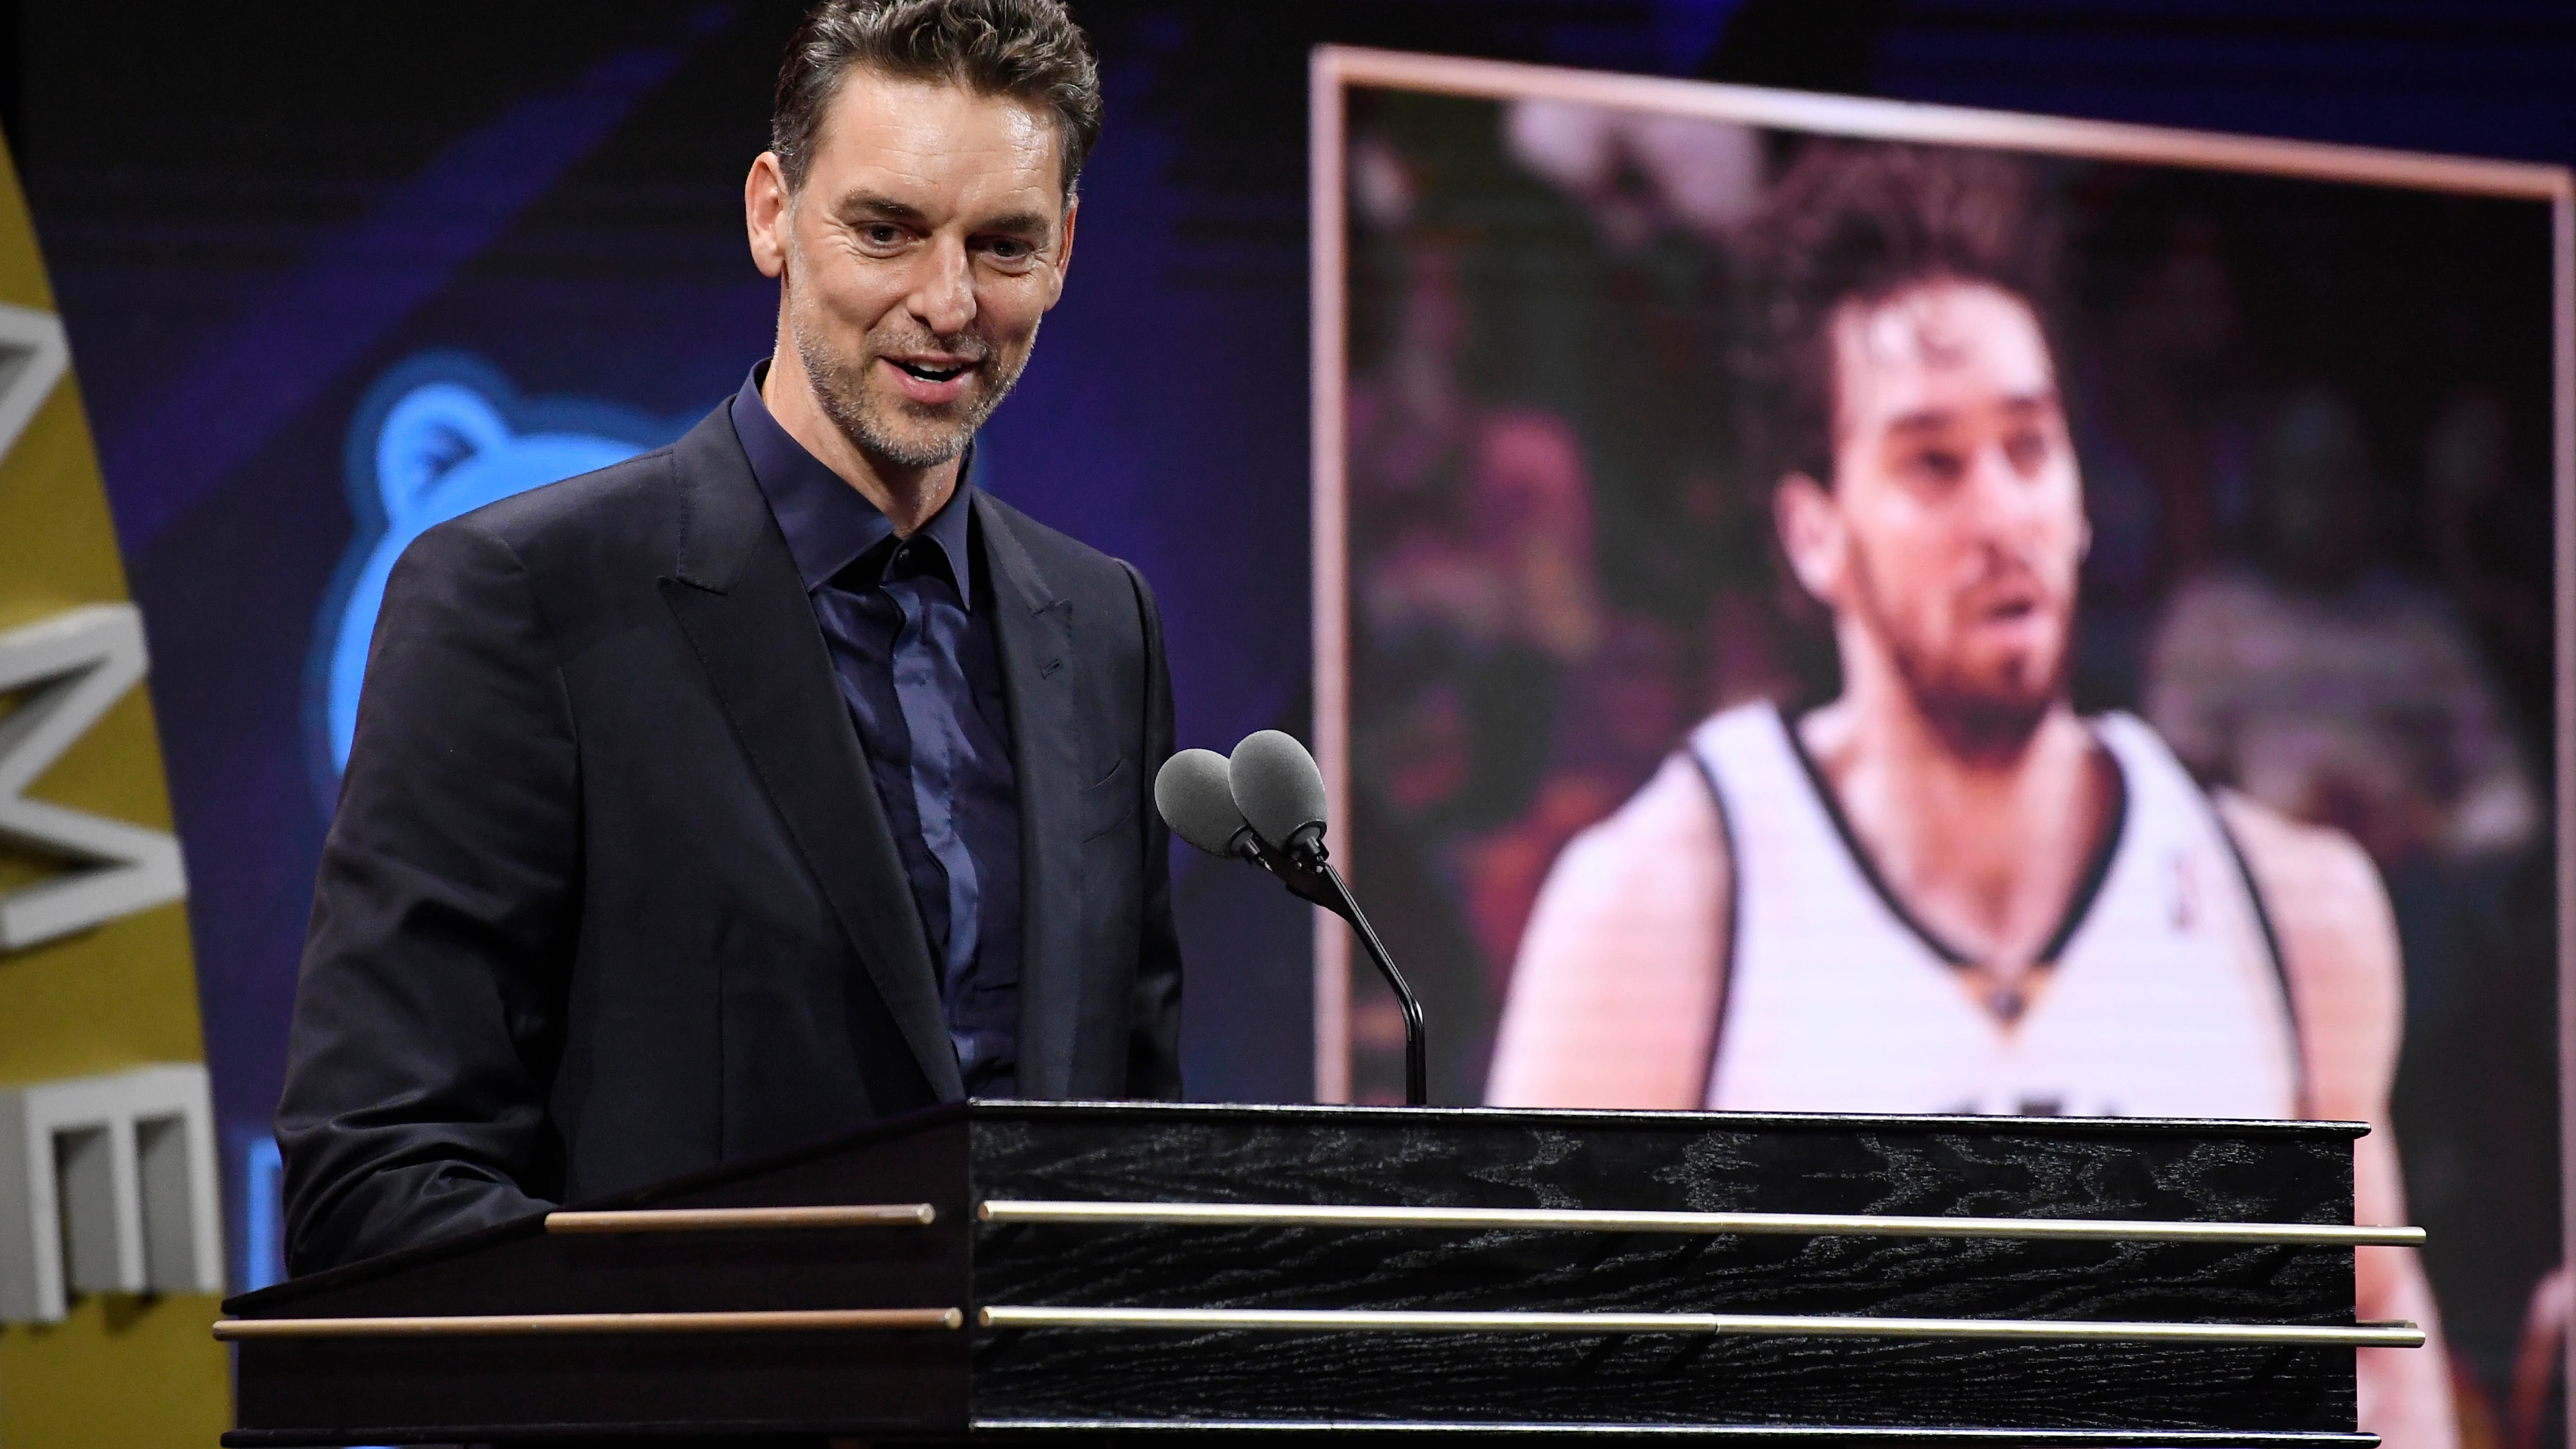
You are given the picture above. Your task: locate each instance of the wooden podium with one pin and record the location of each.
(1060, 1271)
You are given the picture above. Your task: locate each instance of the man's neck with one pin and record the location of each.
(1986, 852)
(908, 497)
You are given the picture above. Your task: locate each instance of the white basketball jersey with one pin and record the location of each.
(2165, 998)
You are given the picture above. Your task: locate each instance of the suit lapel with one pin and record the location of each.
(735, 592)
(1033, 629)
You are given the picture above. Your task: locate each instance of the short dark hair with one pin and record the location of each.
(1857, 223)
(1029, 50)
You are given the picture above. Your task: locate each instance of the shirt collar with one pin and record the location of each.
(828, 523)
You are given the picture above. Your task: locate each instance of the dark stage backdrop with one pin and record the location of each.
(332, 272)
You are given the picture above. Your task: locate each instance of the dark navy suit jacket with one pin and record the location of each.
(609, 897)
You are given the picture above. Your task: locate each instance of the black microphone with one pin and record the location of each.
(1279, 791)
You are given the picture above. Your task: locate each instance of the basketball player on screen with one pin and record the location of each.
(1944, 891)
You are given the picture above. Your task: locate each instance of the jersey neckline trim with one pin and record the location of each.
(2078, 906)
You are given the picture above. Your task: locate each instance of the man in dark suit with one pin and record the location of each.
(779, 781)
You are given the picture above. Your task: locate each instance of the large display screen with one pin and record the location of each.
(1834, 606)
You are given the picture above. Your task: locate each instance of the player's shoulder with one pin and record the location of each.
(2338, 949)
(1680, 807)
(2293, 860)
(1631, 902)
(1671, 820)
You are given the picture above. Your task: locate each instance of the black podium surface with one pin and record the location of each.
(1020, 1270)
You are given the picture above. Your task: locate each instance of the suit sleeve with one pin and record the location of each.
(1154, 1039)
(429, 1006)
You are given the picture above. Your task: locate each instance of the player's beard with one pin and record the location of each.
(873, 420)
(1985, 714)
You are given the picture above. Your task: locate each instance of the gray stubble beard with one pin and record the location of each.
(840, 388)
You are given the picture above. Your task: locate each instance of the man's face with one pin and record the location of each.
(929, 239)
(1954, 525)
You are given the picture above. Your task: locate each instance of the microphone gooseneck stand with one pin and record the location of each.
(1306, 868)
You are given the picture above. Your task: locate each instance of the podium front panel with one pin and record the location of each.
(784, 1376)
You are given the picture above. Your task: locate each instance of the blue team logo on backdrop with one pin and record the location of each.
(440, 435)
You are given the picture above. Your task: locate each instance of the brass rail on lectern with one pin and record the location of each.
(1778, 1325)
(1300, 1215)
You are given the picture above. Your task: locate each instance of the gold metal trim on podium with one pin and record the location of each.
(707, 1220)
(1286, 1215)
(493, 1325)
(2037, 1330)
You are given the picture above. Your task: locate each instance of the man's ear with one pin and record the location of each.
(1064, 249)
(1812, 535)
(766, 214)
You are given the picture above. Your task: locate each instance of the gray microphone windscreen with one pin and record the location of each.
(1277, 785)
(1197, 800)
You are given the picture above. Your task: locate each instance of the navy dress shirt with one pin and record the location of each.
(914, 654)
